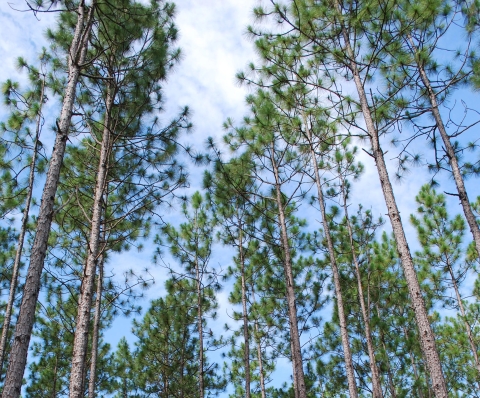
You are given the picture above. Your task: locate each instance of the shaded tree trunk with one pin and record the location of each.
(352, 385)
(245, 315)
(377, 388)
(259, 354)
(96, 332)
(201, 381)
(298, 375)
(473, 346)
(21, 237)
(88, 280)
(452, 158)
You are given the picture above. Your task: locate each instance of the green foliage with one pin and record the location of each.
(166, 352)
(52, 349)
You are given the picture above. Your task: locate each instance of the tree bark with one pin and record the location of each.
(80, 342)
(376, 384)
(452, 158)
(201, 381)
(245, 315)
(55, 371)
(21, 237)
(23, 330)
(259, 354)
(96, 332)
(427, 337)
(352, 385)
(298, 375)
(260, 365)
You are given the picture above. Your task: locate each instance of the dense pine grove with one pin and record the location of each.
(325, 296)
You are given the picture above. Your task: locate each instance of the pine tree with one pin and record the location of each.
(191, 243)
(233, 209)
(27, 108)
(442, 253)
(417, 37)
(167, 349)
(52, 350)
(268, 139)
(345, 166)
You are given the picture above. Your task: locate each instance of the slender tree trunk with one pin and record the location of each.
(80, 342)
(55, 371)
(245, 315)
(412, 360)
(298, 376)
(96, 331)
(415, 373)
(391, 383)
(427, 337)
(352, 385)
(260, 364)
(21, 237)
(26, 317)
(200, 331)
(182, 371)
(259, 354)
(473, 346)
(452, 158)
(377, 388)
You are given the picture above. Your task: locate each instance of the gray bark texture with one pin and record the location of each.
(427, 338)
(352, 384)
(26, 317)
(259, 353)
(246, 335)
(376, 384)
(297, 363)
(80, 341)
(201, 381)
(452, 157)
(96, 332)
(21, 237)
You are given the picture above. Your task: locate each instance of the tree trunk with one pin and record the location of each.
(473, 346)
(55, 371)
(391, 384)
(427, 338)
(96, 332)
(259, 354)
(80, 342)
(377, 388)
(200, 331)
(245, 315)
(260, 364)
(352, 385)
(21, 237)
(26, 317)
(452, 158)
(415, 373)
(298, 376)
